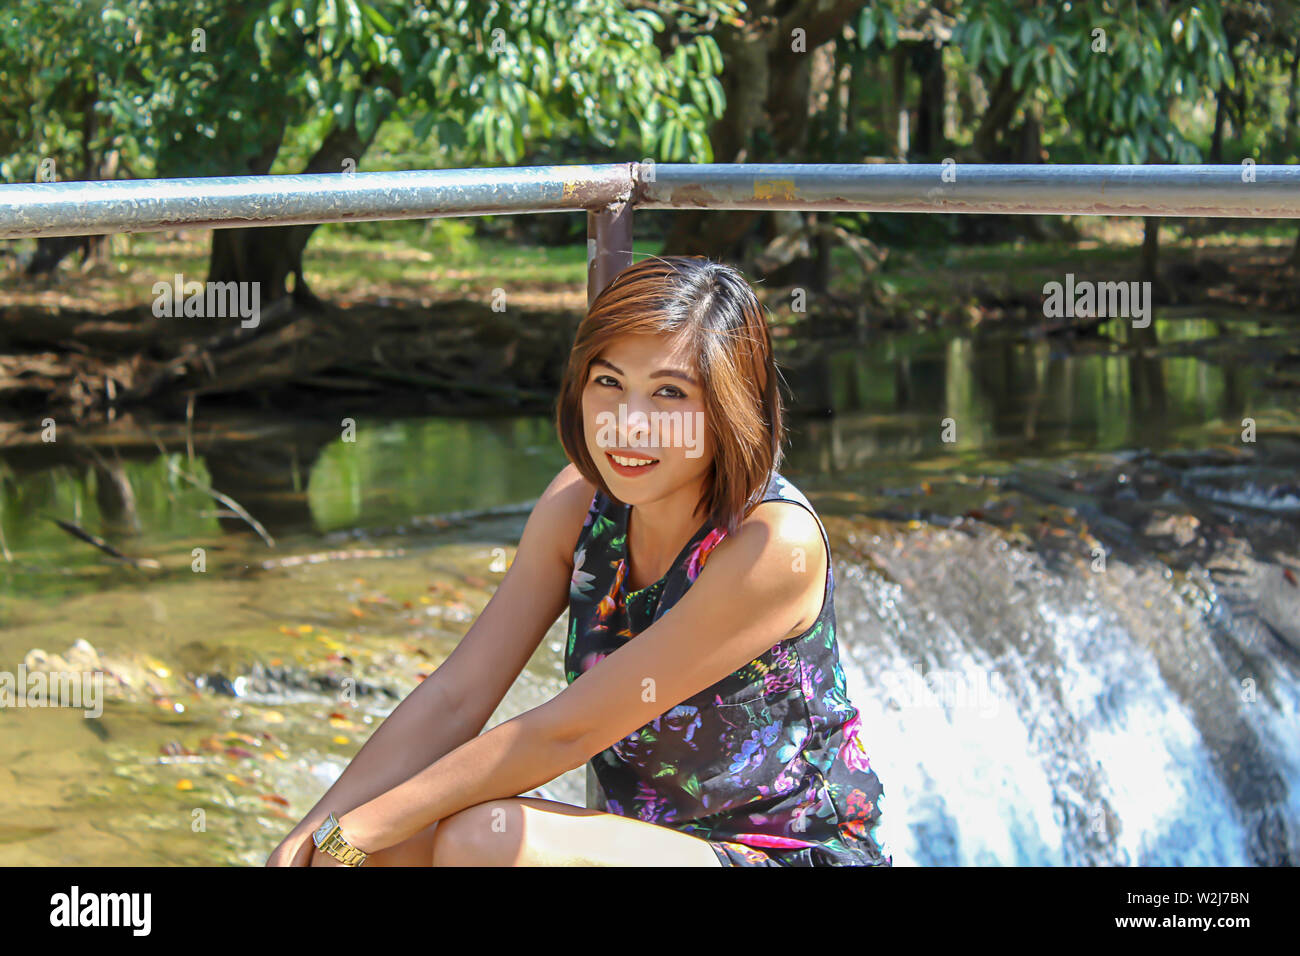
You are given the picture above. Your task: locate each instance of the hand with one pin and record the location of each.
(297, 849)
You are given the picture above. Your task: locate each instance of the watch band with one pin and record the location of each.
(329, 839)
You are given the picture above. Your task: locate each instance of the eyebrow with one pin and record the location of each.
(662, 373)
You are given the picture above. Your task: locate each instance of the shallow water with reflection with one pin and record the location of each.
(1022, 705)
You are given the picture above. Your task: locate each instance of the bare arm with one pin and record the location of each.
(746, 600)
(455, 702)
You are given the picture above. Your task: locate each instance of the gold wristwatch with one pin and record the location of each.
(329, 839)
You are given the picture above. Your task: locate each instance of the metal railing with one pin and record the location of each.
(610, 192)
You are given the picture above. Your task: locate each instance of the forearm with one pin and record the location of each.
(425, 726)
(509, 759)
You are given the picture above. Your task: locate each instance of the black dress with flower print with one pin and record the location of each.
(767, 764)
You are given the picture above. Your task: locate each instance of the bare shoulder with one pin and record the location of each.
(788, 555)
(562, 509)
(787, 521)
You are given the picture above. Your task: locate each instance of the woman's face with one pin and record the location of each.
(643, 400)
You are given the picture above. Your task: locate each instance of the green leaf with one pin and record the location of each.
(423, 126)
(710, 45)
(376, 18)
(866, 28)
(975, 49)
(888, 28)
(650, 17)
(353, 19)
(997, 48)
(1022, 64)
(365, 116)
(717, 97)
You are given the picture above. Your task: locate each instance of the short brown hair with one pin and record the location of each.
(713, 305)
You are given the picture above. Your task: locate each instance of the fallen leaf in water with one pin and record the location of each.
(1290, 576)
(425, 599)
(305, 628)
(475, 581)
(275, 798)
(340, 739)
(184, 784)
(273, 717)
(237, 752)
(335, 715)
(356, 611)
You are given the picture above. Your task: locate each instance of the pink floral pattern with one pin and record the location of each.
(768, 764)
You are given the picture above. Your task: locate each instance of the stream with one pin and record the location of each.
(1068, 590)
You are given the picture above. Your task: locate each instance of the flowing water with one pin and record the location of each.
(1068, 592)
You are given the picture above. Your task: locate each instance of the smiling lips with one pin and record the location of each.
(631, 464)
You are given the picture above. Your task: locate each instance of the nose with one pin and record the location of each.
(637, 430)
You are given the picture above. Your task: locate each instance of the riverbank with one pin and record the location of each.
(488, 330)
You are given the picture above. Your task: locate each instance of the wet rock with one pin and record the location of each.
(1183, 529)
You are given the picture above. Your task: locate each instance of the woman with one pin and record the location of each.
(721, 732)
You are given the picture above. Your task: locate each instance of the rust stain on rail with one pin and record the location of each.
(783, 189)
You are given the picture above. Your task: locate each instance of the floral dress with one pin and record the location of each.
(768, 764)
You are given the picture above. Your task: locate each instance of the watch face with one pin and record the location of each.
(322, 832)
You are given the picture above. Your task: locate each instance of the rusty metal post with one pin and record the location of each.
(609, 245)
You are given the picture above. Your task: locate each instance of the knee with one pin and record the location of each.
(487, 834)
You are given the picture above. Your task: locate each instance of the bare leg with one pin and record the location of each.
(528, 831)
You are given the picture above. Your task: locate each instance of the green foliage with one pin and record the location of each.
(212, 87)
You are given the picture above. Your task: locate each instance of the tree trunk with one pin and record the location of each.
(1003, 101)
(931, 144)
(1292, 100)
(52, 250)
(1150, 248)
(744, 81)
(270, 254)
(1220, 115)
(896, 106)
(767, 91)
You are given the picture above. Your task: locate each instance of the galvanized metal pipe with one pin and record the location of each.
(150, 205)
(94, 208)
(1246, 190)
